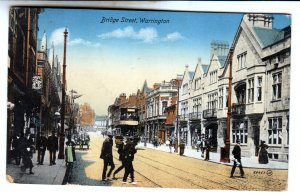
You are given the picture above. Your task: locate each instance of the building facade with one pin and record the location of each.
(260, 65)
(157, 100)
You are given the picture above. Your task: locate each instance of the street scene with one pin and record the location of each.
(152, 99)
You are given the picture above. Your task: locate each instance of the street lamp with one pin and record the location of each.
(178, 80)
(225, 152)
(61, 154)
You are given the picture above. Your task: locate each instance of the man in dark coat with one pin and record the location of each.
(237, 159)
(121, 158)
(16, 149)
(52, 146)
(27, 149)
(107, 156)
(41, 145)
(129, 151)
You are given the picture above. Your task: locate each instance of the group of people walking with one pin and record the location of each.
(23, 148)
(126, 156)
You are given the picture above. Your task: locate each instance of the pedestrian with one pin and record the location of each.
(170, 144)
(107, 156)
(198, 143)
(41, 145)
(121, 158)
(236, 152)
(52, 147)
(70, 150)
(129, 151)
(27, 153)
(202, 147)
(207, 149)
(263, 153)
(69, 158)
(16, 153)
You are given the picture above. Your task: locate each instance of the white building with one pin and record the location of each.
(260, 91)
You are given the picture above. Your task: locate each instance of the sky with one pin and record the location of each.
(110, 52)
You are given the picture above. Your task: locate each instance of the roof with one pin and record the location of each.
(205, 68)
(145, 87)
(222, 60)
(267, 37)
(191, 74)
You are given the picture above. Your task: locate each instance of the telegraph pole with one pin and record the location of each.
(225, 154)
(62, 130)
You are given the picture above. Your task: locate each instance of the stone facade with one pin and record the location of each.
(260, 91)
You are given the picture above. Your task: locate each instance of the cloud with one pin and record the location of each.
(79, 41)
(57, 36)
(147, 35)
(173, 36)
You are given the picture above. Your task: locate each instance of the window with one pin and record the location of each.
(197, 84)
(164, 105)
(220, 98)
(242, 60)
(259, 88)
(276, 86)
(195, 105)
(185, 88)
(226, 97)
(240, 131)
(250, 90)
(275, 130)
(212, 100)
(213, 76)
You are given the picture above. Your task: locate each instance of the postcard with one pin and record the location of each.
(134, 98)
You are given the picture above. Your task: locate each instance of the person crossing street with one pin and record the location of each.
(107, 156)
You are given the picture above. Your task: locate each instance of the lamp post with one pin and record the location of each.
(178, 79)
(226, 151)
(62, 131)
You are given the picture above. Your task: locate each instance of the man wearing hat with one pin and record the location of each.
(107, 156)
(129, 151)
(41, 146)
(52, 146)
(237, 159)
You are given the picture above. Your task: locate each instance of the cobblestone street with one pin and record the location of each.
(157, 169)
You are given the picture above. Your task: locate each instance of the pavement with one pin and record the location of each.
(43, 174)
(249, 162)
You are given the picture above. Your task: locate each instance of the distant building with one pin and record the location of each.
(87, 115)
(100, 123)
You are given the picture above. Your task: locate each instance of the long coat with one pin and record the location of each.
(236, 152)
(52, 143)
(106, 151)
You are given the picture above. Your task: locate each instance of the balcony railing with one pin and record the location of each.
(195, 115)
(209, 113)
(238, 109)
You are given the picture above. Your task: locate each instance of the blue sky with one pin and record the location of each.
(106, 59)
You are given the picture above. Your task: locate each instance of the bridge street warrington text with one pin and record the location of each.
(134, 20)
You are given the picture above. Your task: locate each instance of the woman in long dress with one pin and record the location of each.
(263, 153)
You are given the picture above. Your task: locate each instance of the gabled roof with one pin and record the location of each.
(222, 60)
(267, 37)
(191, 74)
(205, 68)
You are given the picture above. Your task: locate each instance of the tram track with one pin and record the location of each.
(162, 172)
